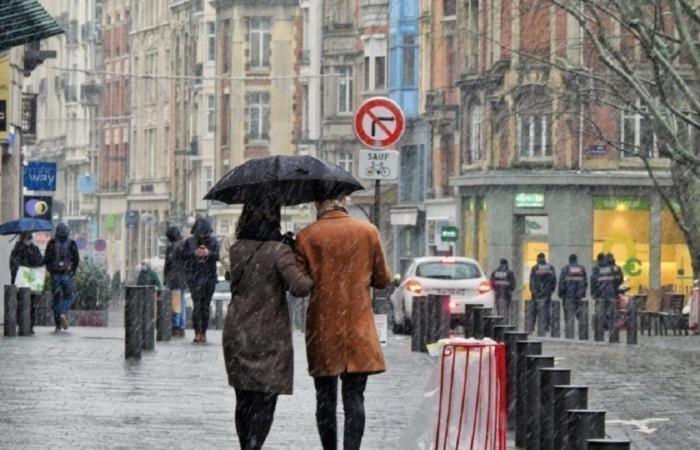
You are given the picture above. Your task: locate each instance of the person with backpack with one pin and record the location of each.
(62, 260)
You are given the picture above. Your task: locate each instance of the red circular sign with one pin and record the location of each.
(379, 123)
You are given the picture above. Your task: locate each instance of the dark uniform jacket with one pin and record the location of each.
(605, 281)
(573, 282)
(503, 282)
(543, 280)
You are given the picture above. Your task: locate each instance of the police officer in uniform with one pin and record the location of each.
(503, 283)
(573, 284)
(543, 282)
(606, 279)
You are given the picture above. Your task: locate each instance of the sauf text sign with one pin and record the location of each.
(40, 176)
(379, 164)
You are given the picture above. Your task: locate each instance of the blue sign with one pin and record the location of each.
(40, 176)
(86, 184)
(132, 219)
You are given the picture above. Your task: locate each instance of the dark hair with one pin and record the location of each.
(601, 257)
(503, 262)
(573, 258)
(260, 221)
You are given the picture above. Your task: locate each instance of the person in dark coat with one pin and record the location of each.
(573, 284)
(606, 279)
(62, 260)
(257, 335)
(175, 278)
(24, 254)
(503, 283)
(201, 252)
(543, 282)
(600, 262)
(147, 276)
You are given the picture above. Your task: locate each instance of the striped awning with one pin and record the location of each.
(24, 21)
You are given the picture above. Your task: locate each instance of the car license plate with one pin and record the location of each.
(456, 292)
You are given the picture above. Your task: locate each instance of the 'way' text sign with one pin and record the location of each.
(40, 176)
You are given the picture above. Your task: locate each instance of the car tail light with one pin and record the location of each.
(484, 287)
(414, 286)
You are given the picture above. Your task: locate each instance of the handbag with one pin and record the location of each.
(234, 284)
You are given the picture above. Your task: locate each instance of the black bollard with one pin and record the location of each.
(534, 364)
(614, 330)
(556, 318)
(511, 338)
(478, 315)
(583, 321)
(10, 327)
(417, 322)
(569, 318)
(165, 311)
(541, 312)
(468, 321)
(530, 316)
(598, 322)
(585, 424)
(566, 398)
(149, 319)
(489, 323)
(524, 349)
(24, 311)
(608, 444)
(549, 377)
(133, 321)
(500, 330)
(219, 316)
(632, 322)
(438, 324)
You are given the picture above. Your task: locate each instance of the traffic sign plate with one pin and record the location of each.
(379, 123)
(379, 164)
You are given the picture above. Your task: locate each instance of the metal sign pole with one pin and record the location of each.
(377, 204)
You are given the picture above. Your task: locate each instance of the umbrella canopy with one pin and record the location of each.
(290, 179)
(24, 225)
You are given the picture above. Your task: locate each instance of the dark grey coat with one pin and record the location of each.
(257, 337)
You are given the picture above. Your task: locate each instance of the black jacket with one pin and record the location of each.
(503, 282)
(51, 254)
(543, 280)
(605, 281)
(201, 272)
(573, 282)
(174, 271)
(26, 256)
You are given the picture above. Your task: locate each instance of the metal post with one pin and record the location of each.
(511, 338)
(608, 444)
(583, 321)
(569, 318)
(438, 323)
(417, 322)
(566, 398)
(500, 330)
(585, 424)
(10, 326)
(632, 322)
(540, 304)
(479, 314)
(377, 204)
(550, 377)
(489, 323)
(24, 311)
(614, 330)
(556, 318)
(524, 349)
(468, 321)
(165, 312)
(133, 321)
(598, 321)
(149, 318)
(534, 365)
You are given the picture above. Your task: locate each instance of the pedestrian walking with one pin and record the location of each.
(257, 336)
(224, 253)
(62, 260)
(543, 282)
(345, 259)
(175, 279)
(26, 254)
(503, 283)
(201, 252)
(147, 276)
(573, 285)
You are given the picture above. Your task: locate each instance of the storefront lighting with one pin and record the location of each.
(621, 207)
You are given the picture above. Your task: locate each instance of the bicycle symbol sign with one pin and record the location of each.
(379, 164)
(379, 123)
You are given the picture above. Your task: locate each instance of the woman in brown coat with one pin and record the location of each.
(257, 337)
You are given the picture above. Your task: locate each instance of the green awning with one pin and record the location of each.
(24, 21)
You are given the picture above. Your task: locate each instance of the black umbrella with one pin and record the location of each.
(289, 179)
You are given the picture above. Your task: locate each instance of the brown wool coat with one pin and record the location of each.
(345, 258)
(257, 337)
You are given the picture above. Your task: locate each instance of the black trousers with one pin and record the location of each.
(201, 306)
(353, 392)
(254, 414)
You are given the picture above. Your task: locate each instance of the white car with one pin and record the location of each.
(459, 277)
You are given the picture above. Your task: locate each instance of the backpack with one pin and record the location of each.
(63, 261)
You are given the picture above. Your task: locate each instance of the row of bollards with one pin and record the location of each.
(142, 326)
(430, 321)
(18, 311)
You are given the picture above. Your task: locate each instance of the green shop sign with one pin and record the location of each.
(621, 203)
(449, 234)
(529, 200)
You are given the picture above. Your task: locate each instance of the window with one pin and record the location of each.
(367, 69)
(346, 161)
(305, 113)
(306, 36)
(211, 41)
(637, 134)
(533, 132)
(259, 116)
(226, 47)
(379, 72)
(449, 7)
(224, 225)
(473, 34)
(211, 114)
(259, 39)
(414, 167)
(151, 153)
(225, 118)
(409, 60)
(345, 93)
(475, 137)
(208, 178)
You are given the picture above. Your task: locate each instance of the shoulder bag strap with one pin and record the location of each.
(234, 284)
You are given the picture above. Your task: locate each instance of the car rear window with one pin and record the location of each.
(448, 271)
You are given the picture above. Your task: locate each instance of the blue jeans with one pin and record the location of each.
(62, 288)
(180, 320)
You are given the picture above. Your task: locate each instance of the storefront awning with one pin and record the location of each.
(24, 21)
